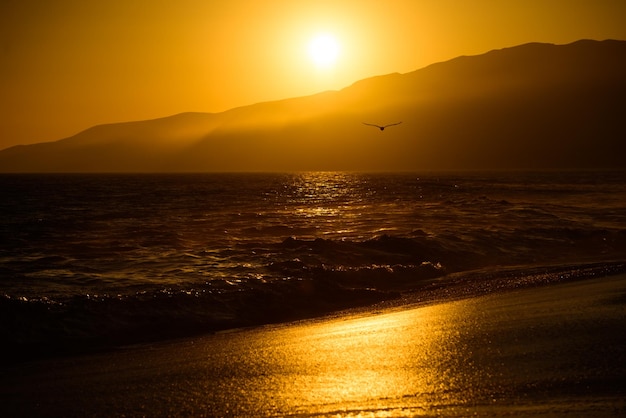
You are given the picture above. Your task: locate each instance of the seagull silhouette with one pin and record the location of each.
(382, 128)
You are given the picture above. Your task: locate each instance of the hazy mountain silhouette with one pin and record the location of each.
(533, 106)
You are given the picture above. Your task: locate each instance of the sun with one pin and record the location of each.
(324, 50)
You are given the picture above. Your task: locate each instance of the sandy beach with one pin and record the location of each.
(554, 350)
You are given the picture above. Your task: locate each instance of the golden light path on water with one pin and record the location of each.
(450, 358)
(387, 364)
(554, 351)
(337, 201)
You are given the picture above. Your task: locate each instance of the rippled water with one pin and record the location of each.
(215, 250)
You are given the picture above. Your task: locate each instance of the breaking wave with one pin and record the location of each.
(92, 262)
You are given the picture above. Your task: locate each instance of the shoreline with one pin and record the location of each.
(451, 287)
(551, 350)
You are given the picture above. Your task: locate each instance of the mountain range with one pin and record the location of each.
(530, 107)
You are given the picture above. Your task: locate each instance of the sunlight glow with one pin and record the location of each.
(324, 50)
(346, 364)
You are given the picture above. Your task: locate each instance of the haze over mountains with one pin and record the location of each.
(533, 106)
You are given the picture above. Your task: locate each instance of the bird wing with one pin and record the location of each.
(371, 124)
(393, 124)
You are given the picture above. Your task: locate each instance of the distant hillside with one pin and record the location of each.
(533, 106)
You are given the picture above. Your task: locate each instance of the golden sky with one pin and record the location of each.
(67, 65)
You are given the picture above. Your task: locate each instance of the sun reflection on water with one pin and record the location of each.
(383, 364)
(328, 198)
(317, 212)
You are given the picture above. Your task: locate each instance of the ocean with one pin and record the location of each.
(92, 261)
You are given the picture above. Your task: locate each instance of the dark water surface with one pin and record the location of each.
(93, 260)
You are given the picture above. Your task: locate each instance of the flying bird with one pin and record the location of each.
(382, 128)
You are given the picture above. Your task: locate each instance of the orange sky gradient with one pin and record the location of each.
(69, 64)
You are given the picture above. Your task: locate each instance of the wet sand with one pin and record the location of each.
(554, 350)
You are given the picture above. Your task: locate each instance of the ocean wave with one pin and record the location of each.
(43, 327)
(97, 261)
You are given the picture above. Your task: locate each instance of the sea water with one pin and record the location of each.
(105, 259)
